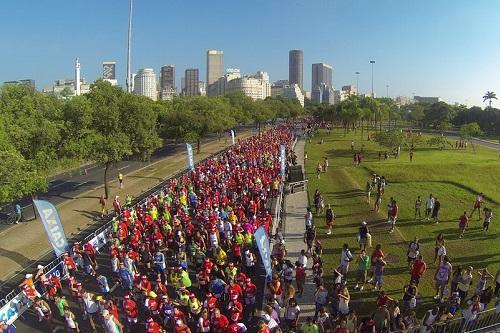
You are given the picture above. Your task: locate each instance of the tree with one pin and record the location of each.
(438, 116)
(391, 139)
(18, 177)
(66, 92)
(468, 131)
(439, 140)
(488, 96)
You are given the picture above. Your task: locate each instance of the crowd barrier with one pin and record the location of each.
(485, 321)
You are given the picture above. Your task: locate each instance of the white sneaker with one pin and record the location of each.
(357, 286)
(370, 281)
(328, 232)
(391, 231)
(361, 289)
(437, 297)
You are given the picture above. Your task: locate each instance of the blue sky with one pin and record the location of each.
(446, 48)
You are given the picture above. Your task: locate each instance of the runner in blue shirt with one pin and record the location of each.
(125, 277)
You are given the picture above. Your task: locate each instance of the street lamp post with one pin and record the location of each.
(372, 62)
(357, 83)
(387, 94)
(129, 75)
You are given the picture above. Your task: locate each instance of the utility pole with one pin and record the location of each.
(129, 75)
(357, 83)
(372, 62)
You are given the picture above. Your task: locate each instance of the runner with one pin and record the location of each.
(329, 218)
(477, 205)
(463, 224)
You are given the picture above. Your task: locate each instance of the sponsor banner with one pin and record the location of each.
(190, 158)
(282, 159)
(264, 250)
(232, 136)
(52, 223)
(15, 308)
(100, 239)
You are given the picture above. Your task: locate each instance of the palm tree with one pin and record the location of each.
(488, 96)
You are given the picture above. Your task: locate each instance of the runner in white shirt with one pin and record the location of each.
(429, 205)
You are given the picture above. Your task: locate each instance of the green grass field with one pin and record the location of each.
(455, 177)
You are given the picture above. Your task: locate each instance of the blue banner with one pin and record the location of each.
(52, 223)
(232, 136)
(282, 159)
(264, 250)
(190, 157)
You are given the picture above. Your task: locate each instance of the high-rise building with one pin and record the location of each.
(167, 82)
(191, 82)
(296, 68)
(321, 81)
(145, 83)
(109, 72)
(215, 66)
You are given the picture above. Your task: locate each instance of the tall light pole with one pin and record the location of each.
(387, 94)
(357, 83)
(372, 62)
(129, 75)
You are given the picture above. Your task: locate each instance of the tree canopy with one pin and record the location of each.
(40, 134)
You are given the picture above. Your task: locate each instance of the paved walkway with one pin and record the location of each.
(295, 207)
(22, 245)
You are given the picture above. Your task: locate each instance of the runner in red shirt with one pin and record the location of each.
(130, 308)
(418, 268)
(219, 322)
(152, 326)
(463, 224)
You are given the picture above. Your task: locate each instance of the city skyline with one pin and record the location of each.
(437, 49)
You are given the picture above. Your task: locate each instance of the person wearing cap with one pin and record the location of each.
(152, 304)
(131, 310)
(28, 287)
(181, 327)
(111, 324)
(194, 305)
(69, 263)
(231, 271)
(363, 235)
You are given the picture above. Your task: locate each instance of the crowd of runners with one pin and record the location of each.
(184, 260)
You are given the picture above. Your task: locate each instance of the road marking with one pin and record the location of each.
(27, 206)
(78, 185)
(59, 184)
(126, 166)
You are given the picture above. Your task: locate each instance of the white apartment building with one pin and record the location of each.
(256, 86)
(291, 91)
(145, 83)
